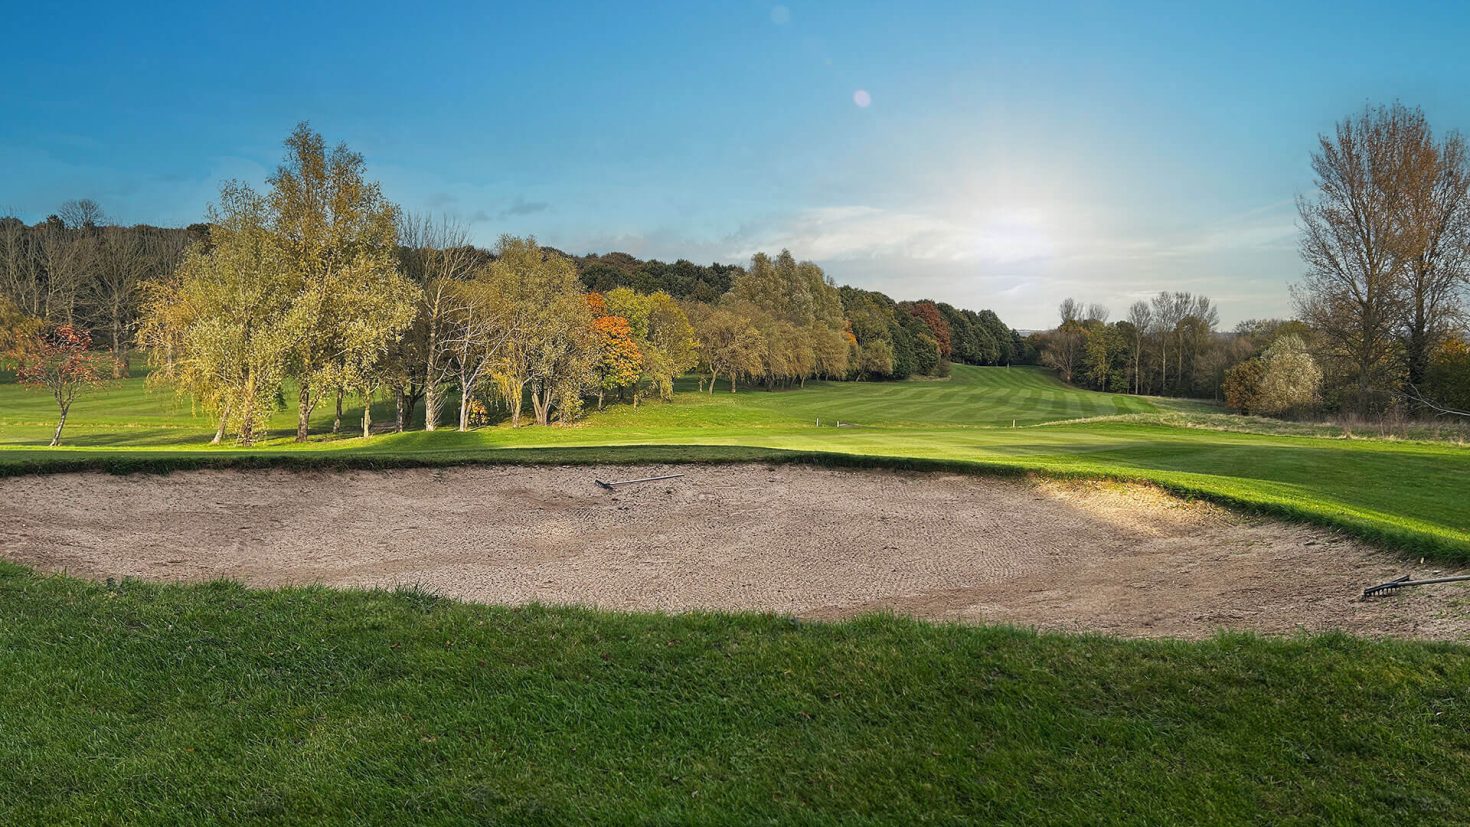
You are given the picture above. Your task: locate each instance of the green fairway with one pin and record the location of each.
(1410, 494)
(146, 703)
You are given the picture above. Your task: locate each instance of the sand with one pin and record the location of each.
(810, 542)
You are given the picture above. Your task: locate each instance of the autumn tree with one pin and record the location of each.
(548, 350)
(619, 361)
(17, 328)
(662, 334)
(338, 235)
(928, 313)
(1351, 245)
(57, 360)
(1431, 236)
(729, 345)
(222, 328)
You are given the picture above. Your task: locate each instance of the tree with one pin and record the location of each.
(619, 361)
(928, 313)
(126, 259)
(438, 257)
(1069, 310)
(1447, 381)
(729, 345)
(56, 359)
(67, 258)
(799, 313)
(476, 332)
(1063, 349)
(1243, 385)
(1290, 379)
(17, 329)
(338, 234)
(82, 214)
(22, 277)
(1141, 316)
(1351, 245)
(222, 328)
(372, 313)
(662, 335)
(1432, 237)
(545, 329)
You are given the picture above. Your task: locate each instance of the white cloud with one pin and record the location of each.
(852, 232)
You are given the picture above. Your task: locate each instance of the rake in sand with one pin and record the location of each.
(1407, 580)
(615, 483)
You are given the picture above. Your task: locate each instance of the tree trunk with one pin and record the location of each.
(247, 411)
(464, 408)
(536, 404)
(303, 411)
(120, 368)
(337, 422)
(400, 404)
(367, 413)
(431, 405)
(219, 433)
(56, 437)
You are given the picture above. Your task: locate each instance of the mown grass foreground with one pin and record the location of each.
(146, 703)
(1412, 495)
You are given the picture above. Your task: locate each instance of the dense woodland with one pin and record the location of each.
(1382, 313)
(322, 288)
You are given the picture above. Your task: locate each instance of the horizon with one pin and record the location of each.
(999, 158)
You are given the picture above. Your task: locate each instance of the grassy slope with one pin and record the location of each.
(194, 704)
(1408, 494)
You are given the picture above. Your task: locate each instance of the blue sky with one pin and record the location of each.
(1009, 154)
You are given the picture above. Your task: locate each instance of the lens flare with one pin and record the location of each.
(862, 98)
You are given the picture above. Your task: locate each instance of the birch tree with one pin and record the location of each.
(338, 234)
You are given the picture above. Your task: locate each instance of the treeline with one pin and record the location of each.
(75, 269)
(323, 288)
(1167, 346)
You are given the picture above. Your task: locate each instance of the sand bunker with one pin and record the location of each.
(806, 541)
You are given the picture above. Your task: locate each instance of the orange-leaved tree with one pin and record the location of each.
(57, 359)
(619, 361)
